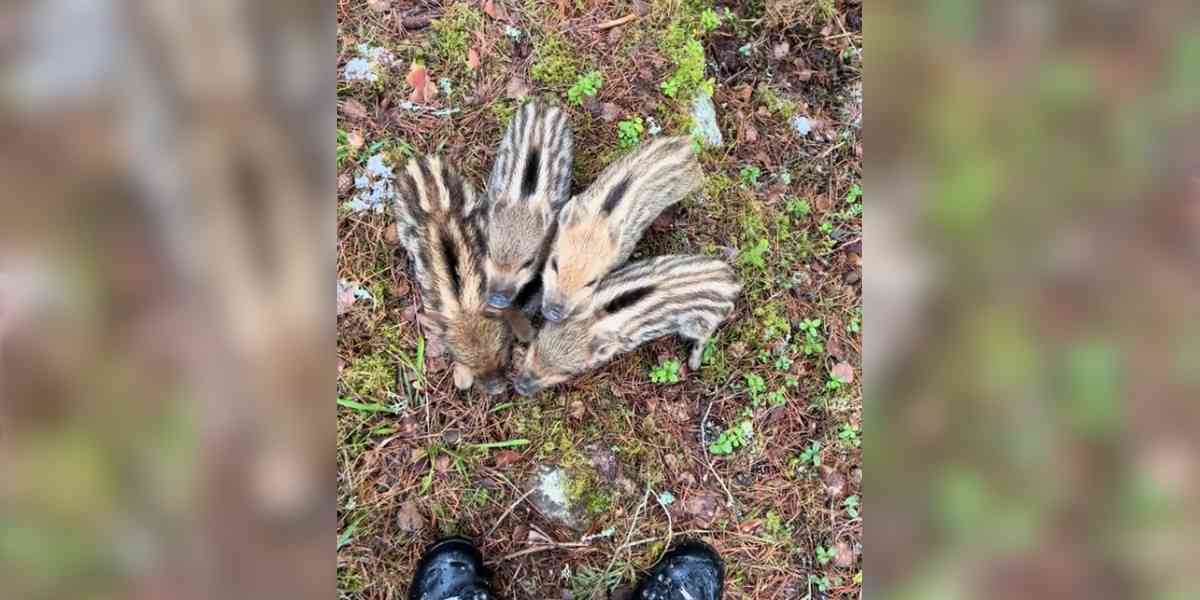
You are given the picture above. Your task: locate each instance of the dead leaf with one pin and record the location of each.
(409, 518)
(610, 112)
(702, 506)
(424, 89)
(355, 140)
(835, 482)
(379, 5)
(781, 50)
(344, 183)
(489, 8)
(409, 313)
(804, 74)
(743, 92)
(401, 288)
(750, 526)
(517, 88)
(576, 410)
(505, 458)
(844, 558)
(441, 464)
(341, 366)
(843, 372)
(749, 133)
(354, 110)
(473, 59)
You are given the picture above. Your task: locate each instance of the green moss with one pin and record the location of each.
(371, 376)
(775, 103)
(556, 62)
(504, 110)
(681, 43)
(453, 34)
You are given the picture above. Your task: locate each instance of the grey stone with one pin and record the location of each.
(704, 115)
(551, 496)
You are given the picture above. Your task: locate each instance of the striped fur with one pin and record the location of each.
(438, 218)
(530, 182)
(598, 229)
(688, 296)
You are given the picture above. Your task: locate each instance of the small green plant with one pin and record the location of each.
(855, 324)
(753, 255)
(854, 195)
(813, 342)
(811, 455)
(732, 438)
(586, 86)
(833, 384)
(709, 19)
(823, 584)
(799, 207)
(629, 132)
(665, 372)
(777, 397)
(827, 227)
(776, 529)
(851, 504)
(749, 175)
(850, 435)
(755, 384)
(783, 363)
(825, 555)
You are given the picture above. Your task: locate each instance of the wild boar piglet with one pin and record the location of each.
(598, 229)
(688, 296)
(529, 184)
(439, 221)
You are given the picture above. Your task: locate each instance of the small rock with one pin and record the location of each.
(409, 518)
(780, 50)
(452, 437)
(744, 479)
(551, 497)
(704, 114)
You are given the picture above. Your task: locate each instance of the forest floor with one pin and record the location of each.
(759, 452)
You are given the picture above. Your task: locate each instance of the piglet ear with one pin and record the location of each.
(432, 324)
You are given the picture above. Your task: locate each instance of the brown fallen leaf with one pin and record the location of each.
(354, 110)
(409, 518)
(843, 372)
(743, 92)
(505, 458)
(401, 288)
(749, 133)
(473, 59)
(835, 482)
(844, 558)
(610, 112)
(417, 75)
(441, 464)
(489, 8)
(379, 5)
(355, 140)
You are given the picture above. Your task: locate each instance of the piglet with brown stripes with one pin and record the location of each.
(598, 229)
(529, 184)
(439, 221)
(688, 296)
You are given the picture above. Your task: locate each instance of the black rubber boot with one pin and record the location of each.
(451, 569)
(690, 571)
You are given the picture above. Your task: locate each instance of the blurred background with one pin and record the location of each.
(166, 299)
(1032, 355)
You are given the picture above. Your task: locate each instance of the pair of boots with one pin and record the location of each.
(452, 569)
